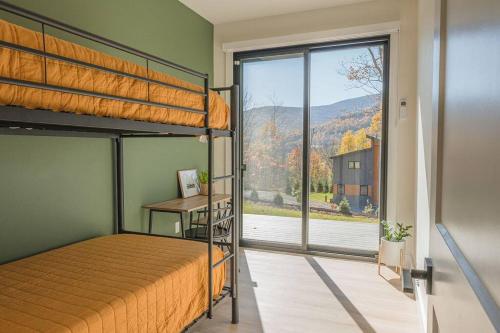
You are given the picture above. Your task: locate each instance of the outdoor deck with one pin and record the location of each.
(339, 234)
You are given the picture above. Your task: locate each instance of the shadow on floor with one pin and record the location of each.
(351, 309)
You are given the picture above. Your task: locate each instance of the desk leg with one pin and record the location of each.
(190, 220)
(150, 220)
(182, 224)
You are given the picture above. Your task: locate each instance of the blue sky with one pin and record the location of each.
(283, 79)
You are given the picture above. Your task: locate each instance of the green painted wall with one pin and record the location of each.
(150, 172)
(54, 191)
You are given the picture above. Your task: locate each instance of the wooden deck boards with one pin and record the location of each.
(340, 234)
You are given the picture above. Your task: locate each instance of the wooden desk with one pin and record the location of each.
(181, 205)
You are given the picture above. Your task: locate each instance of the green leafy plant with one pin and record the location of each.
(368, 209)
(254, 196)
(396, 233)
(278, 200)
(344, 207)
(203, 177)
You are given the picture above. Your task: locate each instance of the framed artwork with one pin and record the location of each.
(188, 181)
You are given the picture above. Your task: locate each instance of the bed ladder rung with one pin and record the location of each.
(215, 179)
(223, 260)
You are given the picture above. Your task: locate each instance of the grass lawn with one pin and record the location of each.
(254, 208)
(320, 197)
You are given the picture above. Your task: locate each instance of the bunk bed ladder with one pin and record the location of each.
(232, 255)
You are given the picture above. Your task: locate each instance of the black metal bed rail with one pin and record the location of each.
(93, 66)
(64, 123)
(45, 21)
(5, 6)
(167, 236)
(45, 86)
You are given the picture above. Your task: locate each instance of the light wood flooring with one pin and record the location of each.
(295, 293)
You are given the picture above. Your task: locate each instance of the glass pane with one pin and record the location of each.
(272, 93)
(346, 122)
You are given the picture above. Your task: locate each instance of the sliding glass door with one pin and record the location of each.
(272, 124)
(346, 130)
(313, 145)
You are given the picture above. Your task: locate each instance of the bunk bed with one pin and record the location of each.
(129, 281)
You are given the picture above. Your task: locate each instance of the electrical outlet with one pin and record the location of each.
(177, 227)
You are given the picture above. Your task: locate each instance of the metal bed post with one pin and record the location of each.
(210, 203)
(210, 224)
(118, 183)
(235, 93)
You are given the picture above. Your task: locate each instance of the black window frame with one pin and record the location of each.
(306, 50)
(355, 165)
(361, 187)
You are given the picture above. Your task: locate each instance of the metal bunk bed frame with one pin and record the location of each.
(16, 120)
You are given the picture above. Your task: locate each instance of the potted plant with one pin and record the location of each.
(203, 178)
(392, 244)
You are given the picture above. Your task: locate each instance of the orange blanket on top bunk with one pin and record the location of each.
(119, 283)
(24, 66)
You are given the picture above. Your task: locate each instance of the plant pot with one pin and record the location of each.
(204, 189)
(391, 253)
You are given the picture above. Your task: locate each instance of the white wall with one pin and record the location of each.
(402, 197)
(341, 20)
(426, 18)
(317, 20)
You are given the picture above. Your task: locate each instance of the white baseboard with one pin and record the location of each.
(421, 298)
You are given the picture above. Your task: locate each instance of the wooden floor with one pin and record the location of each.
(339, 234)
(293, 293)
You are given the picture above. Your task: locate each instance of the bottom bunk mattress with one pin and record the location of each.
(118, 283)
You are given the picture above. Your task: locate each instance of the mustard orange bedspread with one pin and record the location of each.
(24, 66)
(119, 283)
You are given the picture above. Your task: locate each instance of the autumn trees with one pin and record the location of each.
(364, 72)
(272, 139)
(352, 141)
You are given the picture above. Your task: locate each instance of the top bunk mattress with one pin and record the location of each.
(118, 283)
(20, 65)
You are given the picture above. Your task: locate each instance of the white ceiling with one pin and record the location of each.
(222, 11)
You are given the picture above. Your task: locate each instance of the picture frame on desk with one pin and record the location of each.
(188, 182)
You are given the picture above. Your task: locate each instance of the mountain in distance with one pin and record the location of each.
(290, 119)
